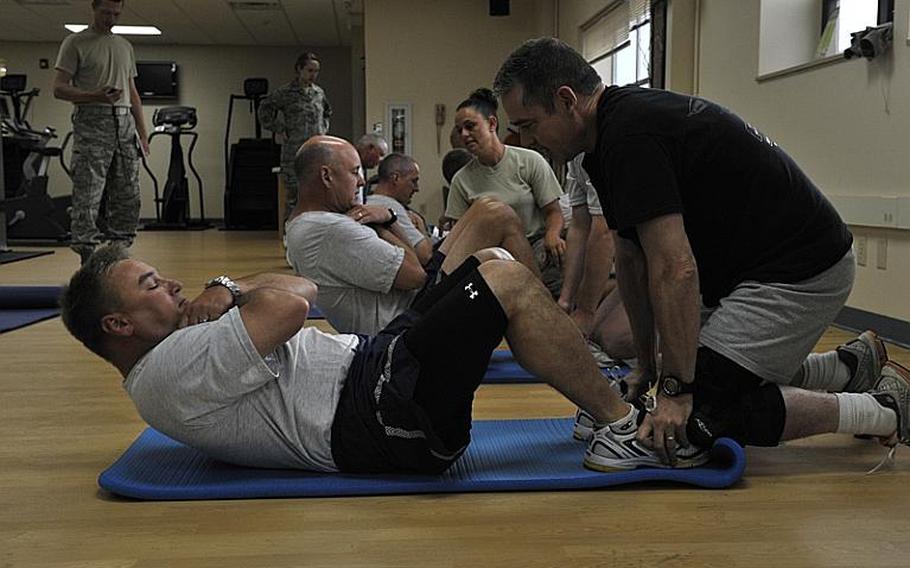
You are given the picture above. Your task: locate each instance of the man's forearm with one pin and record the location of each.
(75, 94)
(574, 261)
(598, 264)
(298, 285)
(676, 308)
(136, 111)
(392, 236)
(632, 278)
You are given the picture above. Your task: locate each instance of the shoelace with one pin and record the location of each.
(888, 460)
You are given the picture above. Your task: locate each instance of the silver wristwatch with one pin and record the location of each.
(225, 281)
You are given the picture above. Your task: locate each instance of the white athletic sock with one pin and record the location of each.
(822, 372)
(624, 424)
(860, 413)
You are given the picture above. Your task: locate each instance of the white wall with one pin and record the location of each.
(208, 75)
(790, 30)
(438, 51)
(846, 124)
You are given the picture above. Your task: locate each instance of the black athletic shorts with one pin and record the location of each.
(406, 403)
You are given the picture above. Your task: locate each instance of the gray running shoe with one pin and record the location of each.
(870, 354)
(615, 448)
(893, 391)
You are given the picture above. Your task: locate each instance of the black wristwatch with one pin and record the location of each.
(226, 282)
(391, 221)
(673, 386)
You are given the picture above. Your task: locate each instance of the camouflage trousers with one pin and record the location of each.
(105, 163)
(290, 187)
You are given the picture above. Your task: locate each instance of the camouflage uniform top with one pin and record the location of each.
(305, 112)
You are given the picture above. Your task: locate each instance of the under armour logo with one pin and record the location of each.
(472, 293)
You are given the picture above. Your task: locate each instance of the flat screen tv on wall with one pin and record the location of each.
(156, 79)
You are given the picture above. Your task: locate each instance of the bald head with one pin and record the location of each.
(316, 152)
(328, 174)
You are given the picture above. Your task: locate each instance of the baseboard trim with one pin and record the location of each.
(888, 328)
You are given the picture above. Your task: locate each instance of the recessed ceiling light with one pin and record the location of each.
(122, 30)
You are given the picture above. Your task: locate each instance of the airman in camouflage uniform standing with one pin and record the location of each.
(96, 71)
(304, 112)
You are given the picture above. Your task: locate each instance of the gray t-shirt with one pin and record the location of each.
(354, 269)
(522, 179)
(579, 187)
(412, 233)
(206, 386)
(97, 60)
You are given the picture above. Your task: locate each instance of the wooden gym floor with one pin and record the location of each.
(64, 418)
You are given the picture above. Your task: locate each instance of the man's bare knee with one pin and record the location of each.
(493, 253)
(512, 284)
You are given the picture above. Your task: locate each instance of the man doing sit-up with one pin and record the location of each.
(235, 374)
(361, 256)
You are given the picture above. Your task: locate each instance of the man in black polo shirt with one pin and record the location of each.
(727, 253)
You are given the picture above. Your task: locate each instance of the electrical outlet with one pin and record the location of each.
(881, 256)
(861, 244)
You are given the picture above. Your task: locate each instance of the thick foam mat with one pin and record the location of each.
(24, 305)
(13, 256)
(504, 455)
(504, 369)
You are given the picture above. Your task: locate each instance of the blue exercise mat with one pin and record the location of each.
(503, 369)
(24, 305)
(13, 256)
(504, 455)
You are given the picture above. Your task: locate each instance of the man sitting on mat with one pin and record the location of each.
(235, 374)
(360, 256)
(729, 259)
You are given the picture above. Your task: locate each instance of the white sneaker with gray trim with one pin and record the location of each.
(893, 391)
(614, 448)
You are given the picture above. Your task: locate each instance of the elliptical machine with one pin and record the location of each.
(250, 195)
(172, 211)
(29, 213)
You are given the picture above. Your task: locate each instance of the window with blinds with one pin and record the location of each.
(617, 43)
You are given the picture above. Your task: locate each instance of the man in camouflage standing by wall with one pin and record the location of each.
(96, 71)
(304, 111)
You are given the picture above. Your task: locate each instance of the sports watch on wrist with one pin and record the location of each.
(392, 219)
(225, 281)
(673, 386)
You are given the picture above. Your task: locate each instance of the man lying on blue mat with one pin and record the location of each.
(235, 374)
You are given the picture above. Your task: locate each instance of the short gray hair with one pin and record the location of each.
(372, 139)
(541, 66)
(89, 296)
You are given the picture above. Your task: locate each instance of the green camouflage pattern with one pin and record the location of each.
(297, 113)
(105, 161)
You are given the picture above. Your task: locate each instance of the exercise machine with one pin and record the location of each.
(29, 213)
(172, 210)
(250, 192)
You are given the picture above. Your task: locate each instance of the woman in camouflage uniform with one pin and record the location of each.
(297, 111)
